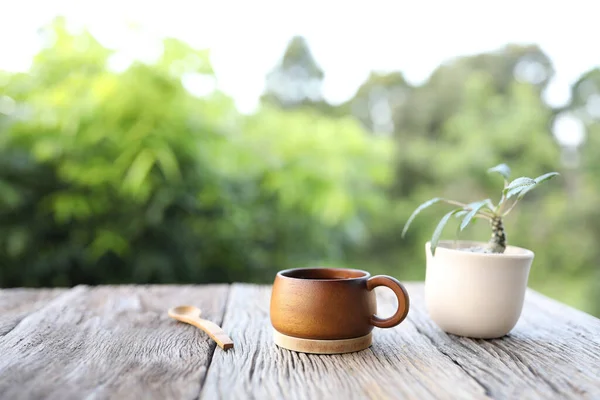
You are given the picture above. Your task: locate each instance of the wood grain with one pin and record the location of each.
(110, 342)
(16, 304)
(550, 355)
(118, 342)
(402, 363)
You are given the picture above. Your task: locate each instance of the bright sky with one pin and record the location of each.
(348, 39)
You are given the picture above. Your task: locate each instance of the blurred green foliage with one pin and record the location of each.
(115, 177)
(126, 177)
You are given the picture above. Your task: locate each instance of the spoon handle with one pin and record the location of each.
(214, 331)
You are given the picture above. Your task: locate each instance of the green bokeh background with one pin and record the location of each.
(127, 177)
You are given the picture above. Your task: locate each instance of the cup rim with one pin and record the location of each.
(284, 274)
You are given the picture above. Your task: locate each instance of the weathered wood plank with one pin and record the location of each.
(16, 304)
(552, 353)
(110, 342)
(117, 342)
(402, 363)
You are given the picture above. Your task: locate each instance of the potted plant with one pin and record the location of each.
(476, 289)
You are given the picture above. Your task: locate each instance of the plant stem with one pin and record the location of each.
(502, 200)
(466, 207)
(510, 209)
(501, 204)
(498, 240)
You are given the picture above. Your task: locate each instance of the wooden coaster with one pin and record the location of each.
(316, 346)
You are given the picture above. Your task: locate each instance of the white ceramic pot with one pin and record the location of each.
(476, 294)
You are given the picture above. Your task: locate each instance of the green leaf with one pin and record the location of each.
(516, 186)
(545, 177)
(538, 180)
(475, 207)
(461, 213)
(9, 195)
(435, 239)
(106, 240)
(517, 190)
(423, 206)
(139, 170)
(524, 191)
(523, 181)
(502, 169)
(168, 162)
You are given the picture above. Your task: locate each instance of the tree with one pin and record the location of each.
(585, 97)
(110, 177)
(378, 98)
(527, 64)
(444, 92)
(296, 80)
(486, 127)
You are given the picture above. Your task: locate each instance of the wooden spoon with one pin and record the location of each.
(191, 315)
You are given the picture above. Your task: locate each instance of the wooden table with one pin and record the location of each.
(118, 342)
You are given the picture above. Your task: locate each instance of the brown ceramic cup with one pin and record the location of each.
(331, 303)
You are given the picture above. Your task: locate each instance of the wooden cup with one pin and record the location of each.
(330, 310)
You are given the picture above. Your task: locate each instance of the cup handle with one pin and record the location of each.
(401, 294)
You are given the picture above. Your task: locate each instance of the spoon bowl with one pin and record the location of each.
(185, 311)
